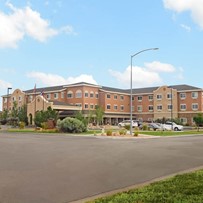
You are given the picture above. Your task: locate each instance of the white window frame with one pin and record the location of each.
(108, 106)
(70, 94)
(139, 108)
(96, 95)
(86, 106)
(91, 106)
(86, 94)
(78, 94)
(158, 107)
(48, 96)
(56, 95)
(115, 107)
(150, 97)
(62, 95)
(91, 94)
(78, 104)
(122, 107)
(170, 107)
(139, 98)
(151, 109)
(181, 95)
(195, 104)
(159, 96)
(122, 97)
(115, 96)
(108, 96)
(181, 107)
(194, 95)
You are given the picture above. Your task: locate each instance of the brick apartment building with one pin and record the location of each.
(148, 104)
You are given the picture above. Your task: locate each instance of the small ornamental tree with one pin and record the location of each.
(99, 112)
(198, 120)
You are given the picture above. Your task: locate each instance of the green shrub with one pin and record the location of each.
(145, 127)
(109, 132)
(127, 127)
(136, 133)
(44, 125)
(122, 132)
(21, 125)
(71, 125)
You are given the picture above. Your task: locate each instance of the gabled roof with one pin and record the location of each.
(45, 89)
(184, 87)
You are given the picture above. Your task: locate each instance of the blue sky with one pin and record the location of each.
(50, 42)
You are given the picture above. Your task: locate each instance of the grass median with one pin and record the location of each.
(186, 188)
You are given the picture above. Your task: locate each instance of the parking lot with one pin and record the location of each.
(38, 168)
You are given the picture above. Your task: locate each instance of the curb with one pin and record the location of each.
(91, 198)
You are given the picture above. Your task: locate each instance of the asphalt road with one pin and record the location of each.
(59, 169)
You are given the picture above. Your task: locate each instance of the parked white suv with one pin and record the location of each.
(172, 126)
(127, 122)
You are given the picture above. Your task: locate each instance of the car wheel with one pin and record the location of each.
(176, 129)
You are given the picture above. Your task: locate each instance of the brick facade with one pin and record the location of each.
(148, 104)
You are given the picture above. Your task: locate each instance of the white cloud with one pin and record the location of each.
(150, 75)
(52, 79)
(21, 22)
(160, 67)
(141, 77)
(4, 85)
(194, 6)
(187, 28)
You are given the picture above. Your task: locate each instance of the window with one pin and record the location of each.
(62, 95)
(169, 96)
(139, 98)
(194, 107)
(122, 108)
(108, 96)
(91, 106)
(151, 108)
(78, 104)
(115, 107)
(97, 95)
(159, 107)
(122, 97)
(194, 95)
(86, 94)
(55, 95)
(183, 107)
(86, 106)
(182, 95)
(150, 97)
(5, 100)
(14, 98)
(70, 94)
(133, 108)
(30, 97)
(91, 94)
(48, 96)
(133, 98)
(115, 97)
(108, 106)
(19, 98)
(170, 107)
(78, 94)
(159, 96)
(139, 108)
(183, 120)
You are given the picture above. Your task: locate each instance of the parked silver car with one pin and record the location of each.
(127, 122)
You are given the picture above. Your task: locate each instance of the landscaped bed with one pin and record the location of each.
(186, 188)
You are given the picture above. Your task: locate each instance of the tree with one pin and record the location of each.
(99, 112)
(44, 116)
(22, 114)
(198, 120)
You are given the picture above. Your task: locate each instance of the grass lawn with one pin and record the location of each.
(186, 188)
(171, 133)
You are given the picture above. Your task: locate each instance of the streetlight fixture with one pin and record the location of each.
(131, 77)
(9, 88)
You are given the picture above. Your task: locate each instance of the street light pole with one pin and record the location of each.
(131, 79)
